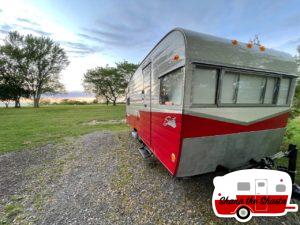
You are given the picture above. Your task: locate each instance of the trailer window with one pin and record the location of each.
(261, 184)
(230, 83)
(171, 88)
(243, 186)
(270, 90)
(251, 89)
(280, 188)
(204, 83)
(283, 91)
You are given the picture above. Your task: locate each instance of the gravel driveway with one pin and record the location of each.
(100, 178)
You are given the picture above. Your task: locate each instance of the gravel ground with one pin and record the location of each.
(100, 178)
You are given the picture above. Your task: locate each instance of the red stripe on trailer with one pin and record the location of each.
(270, 204)
(166, 140)
(198, 126)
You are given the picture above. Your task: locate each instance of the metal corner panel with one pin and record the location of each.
(203, 154)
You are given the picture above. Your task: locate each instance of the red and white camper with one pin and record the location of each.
(198, 101)
(253, 192)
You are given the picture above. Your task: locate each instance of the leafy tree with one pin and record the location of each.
(31, 65)
(5, 94)
(296, 100)
(46, 60)
(126, 69)
(13, 69)
(108, 82)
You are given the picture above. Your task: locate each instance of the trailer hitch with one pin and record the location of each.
(292, 169)
(291, 154)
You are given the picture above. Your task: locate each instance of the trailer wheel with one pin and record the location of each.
(243, 213)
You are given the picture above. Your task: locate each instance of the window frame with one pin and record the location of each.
(218, 70)
(288, 97)
(262, 97)
(221, 73)
(160, 79)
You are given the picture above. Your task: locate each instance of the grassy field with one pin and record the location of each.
(293, 137)
(28, 127)
(293, 131)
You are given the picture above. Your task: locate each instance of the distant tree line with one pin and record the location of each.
(109, 82)
(296, 100)
(29, 67)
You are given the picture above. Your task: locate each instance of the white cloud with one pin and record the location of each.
(72, 76)
(13, 14)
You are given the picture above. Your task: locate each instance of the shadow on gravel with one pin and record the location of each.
(100, 178)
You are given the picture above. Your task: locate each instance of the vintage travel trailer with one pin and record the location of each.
(198, 101)
(253, 192)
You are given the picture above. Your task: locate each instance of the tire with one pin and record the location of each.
(243, 213)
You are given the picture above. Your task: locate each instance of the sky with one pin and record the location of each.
(98, 33)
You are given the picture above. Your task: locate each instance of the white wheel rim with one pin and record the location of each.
(243, 212)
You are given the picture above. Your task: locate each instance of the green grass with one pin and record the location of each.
(293, 137)
(28, 127)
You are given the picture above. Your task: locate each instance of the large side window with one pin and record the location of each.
(243, 88)
(250, 89)
(171, 86)
(283, 91)
(204, 85)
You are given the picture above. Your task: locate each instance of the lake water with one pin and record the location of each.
(12, 104)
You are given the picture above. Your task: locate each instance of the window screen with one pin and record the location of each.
(283, 91)
(171, 88)
(204, 84)
(241, 88)
(270, 90)
(230, 81)
(250, 89)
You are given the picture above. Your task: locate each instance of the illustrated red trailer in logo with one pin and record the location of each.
(198, 102)
(253, 192)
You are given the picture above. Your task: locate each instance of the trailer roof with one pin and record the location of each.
(204, 48)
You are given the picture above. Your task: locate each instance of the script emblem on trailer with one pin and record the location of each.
(170, 121)
(253, 192)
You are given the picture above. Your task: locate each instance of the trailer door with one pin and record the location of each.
(261, 191)
(146, 123)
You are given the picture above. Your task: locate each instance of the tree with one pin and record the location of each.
(126, 69)
(30, 66)
(296, 100)
(5, 94)
(106, 82)
(12, 69)
(109, 82)
(46, 59)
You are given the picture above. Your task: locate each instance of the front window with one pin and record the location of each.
(270, 90)
(251, 89)
(171, 86)
(204, 85)
(283, 91)
(229, 88)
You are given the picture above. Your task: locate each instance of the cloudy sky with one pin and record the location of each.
(96, 33)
